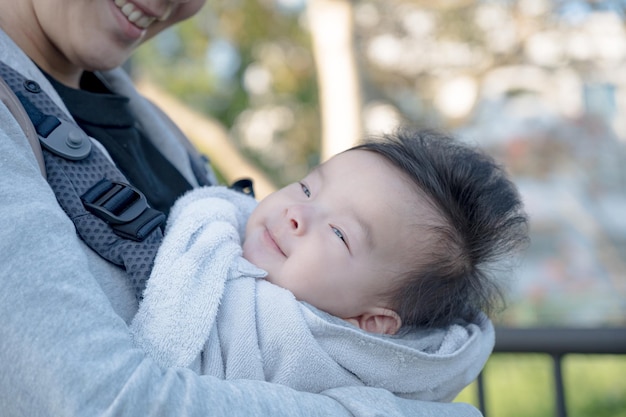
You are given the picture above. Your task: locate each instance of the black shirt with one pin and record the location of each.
(106, 117)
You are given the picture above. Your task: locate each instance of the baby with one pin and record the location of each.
(372, 270)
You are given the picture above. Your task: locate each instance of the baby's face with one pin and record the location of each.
(338, 238)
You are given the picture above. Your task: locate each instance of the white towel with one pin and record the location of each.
(196, 258)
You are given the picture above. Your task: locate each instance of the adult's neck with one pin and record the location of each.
(19, 22)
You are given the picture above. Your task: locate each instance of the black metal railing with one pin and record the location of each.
(556, 342)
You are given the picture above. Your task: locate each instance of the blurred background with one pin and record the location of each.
(269, 88)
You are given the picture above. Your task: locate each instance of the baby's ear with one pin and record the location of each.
(378, 320)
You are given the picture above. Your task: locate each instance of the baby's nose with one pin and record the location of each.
(298, 218)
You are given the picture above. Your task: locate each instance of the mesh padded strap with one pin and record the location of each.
(70, 179)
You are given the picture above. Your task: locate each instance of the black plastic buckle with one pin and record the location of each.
(245, 186)
(124, 208)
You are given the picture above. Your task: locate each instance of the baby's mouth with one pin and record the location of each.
(134, 15)
(274, 243)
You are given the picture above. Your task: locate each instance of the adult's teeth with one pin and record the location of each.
(133, 14)
(144, 21)
(128, 9)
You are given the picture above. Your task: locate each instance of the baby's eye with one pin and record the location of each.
(305, 190)
(339, 234)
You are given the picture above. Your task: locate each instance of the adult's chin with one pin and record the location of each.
(106, 61)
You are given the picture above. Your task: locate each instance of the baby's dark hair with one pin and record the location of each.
(482, 223)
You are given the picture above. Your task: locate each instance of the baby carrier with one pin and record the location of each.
(111, 217)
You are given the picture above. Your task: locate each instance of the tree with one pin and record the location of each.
(332, 31)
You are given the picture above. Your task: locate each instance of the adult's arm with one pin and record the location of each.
(65, 352)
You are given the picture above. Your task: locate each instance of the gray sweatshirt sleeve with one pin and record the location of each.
(65, 352)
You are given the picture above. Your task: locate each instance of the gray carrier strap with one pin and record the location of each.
(111, 217)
